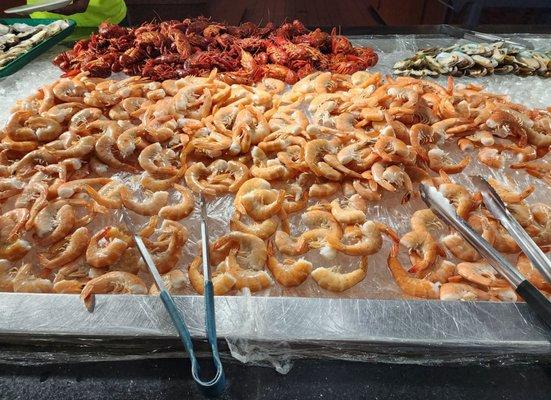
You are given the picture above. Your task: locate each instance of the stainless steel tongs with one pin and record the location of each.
(444, 210)
(216, 385)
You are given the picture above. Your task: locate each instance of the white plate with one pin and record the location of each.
(46, 5)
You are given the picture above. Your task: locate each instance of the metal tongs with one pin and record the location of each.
(217, 384)
(444, 210)
(476, 36)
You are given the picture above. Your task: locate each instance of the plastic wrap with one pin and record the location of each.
(371, 321)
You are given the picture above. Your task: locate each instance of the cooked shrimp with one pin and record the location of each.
(54, 222)
(333, 280)
(289, 245)
(66, 251)
(527, 269)
(462, 291)
(265, 168)
(174, 281)
(289, 273)
(261, 204)
(115, 282)
(7, 273)
(148, 207)
(422, 249)
(353, 214)
(25, 281)
(181, 210)
(425, 220)
(69, 90)
(313, 155)
(106, 246)
(296, 198)
(263, 229)
(443, 271)
(507, 194)
(410, 285)
(460, 248)
(490, 157)
(222, 281)
(157, 161)
(326, 189)
(440, 161)
(480, 273)
(252, 250)
(365, 240)
(459, 197)
(252, 279)
(108, 196)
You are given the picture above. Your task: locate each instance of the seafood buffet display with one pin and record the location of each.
(327, 148)
(242, 54)
(17, 39)
(476, 59)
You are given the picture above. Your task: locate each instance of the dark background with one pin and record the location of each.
(344, 13)
(308, 379)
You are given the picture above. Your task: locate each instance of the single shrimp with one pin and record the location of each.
(353, 214)
(490, 157)
(462, 291)
(443, 271)
(335, 281)
(107, 246)
(422, 136)
(460, 248)
(422, 248)
(459, 197)
(14, 250)
(25, 281)
(222, 281)
(252, 250)
(12, 223)
(425, 220)
(325, 189)
(254, 280)
(68, 90)
(78, 149)
(392, 149)
(155, 185)
(263, 229)
(175, 283)
(66, 250)
(289, 245)
(289, 273)
(313, 156)
(262, 204)
(408, 284)
(296, 198)
(181, 210)
(108, 196)
(167, 251)
(195, 177)
(267, 169)
(507, 194)
(440, 161)
(157, 161)
(148, 207)
(480, 273)
(114, 282)
(365, 240)
(54, 222)
(527, 269)
(366, 192)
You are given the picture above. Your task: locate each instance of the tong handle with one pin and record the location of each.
(217, 384)
(539, 303)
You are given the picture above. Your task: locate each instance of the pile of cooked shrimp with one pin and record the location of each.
(326, 148)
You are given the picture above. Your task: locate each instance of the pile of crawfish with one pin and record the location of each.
(243, 54)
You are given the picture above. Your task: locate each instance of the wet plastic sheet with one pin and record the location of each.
(372, 321)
